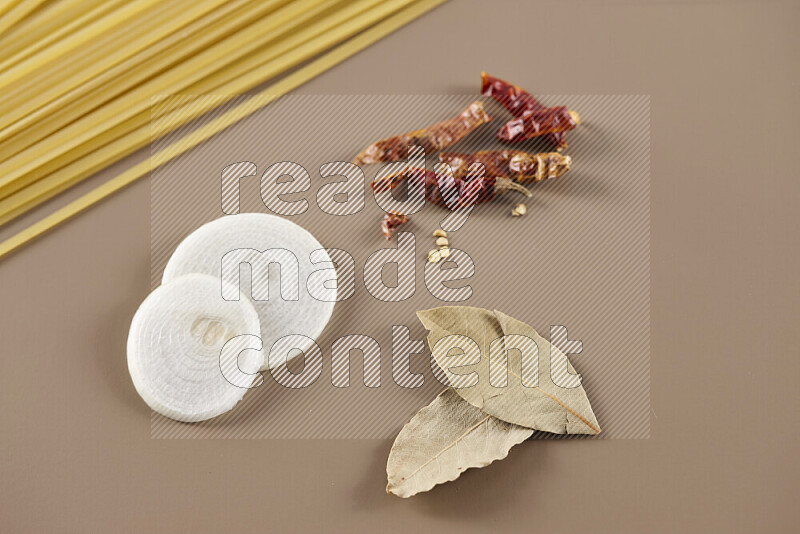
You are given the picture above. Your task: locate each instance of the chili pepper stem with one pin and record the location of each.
(504, 184)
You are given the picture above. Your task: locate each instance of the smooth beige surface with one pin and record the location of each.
(75, 452)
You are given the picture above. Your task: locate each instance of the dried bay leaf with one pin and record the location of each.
(443, 440)
(545, 406)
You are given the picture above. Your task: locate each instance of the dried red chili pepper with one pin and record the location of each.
(390, 223)
(558, 140)
(534, 123)
(436, 137)
(513, 97)
(448, 191)
(532, 118)
(514, 164)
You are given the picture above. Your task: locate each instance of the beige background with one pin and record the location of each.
(75, 452)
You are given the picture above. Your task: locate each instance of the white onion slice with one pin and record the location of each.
(174, 347)
(203, 250)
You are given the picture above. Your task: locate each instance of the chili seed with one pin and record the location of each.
(434, 256)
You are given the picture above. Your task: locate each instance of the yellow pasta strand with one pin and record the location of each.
(7, 6)
(248, 74)
(49, 27)
(122, 77)
(174, 80)
(141, 121)
(85, 35)
(98, 57)
(17, 13)
(43, 22)
(219, 78)
(289, 83)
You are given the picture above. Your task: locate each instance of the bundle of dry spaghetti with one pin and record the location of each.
(78, 79)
